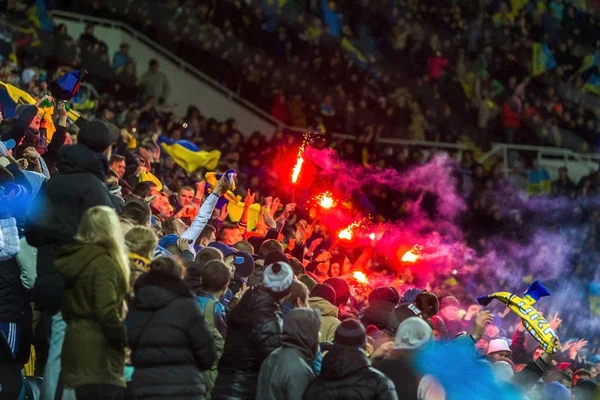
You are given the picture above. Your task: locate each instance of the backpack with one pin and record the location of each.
(210, 375)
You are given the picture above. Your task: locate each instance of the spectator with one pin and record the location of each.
(96, 270)
(155, 83)
(322, 298)
(165, 314)
(121, 57)
(347, 372)
(254, 331)
(287, 372)
(563, 187)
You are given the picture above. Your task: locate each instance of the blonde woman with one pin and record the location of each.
(96, 274)
(141, 242)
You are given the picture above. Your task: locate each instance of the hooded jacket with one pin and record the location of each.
(254, 330)
(287, 372)
(94, 348)
(347, 374)
(170, 343)
(329, 317)
(63, 201)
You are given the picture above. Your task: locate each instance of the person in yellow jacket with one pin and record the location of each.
(322, 298)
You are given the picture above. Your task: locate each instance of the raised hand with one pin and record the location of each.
(224, 213)
(249, 200)
(482, 319)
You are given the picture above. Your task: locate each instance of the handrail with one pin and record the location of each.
(565, 153)
(177, 60)
(407, 142)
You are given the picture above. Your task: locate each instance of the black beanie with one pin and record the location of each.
(276, 256)
(97, 136)
(350, 333)
(384, 294)
(324, 291)
(342, 290)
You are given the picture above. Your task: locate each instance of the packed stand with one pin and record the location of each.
(141, 280)
(410, 70)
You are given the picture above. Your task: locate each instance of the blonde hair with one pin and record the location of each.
(142, 241)
(100, 225)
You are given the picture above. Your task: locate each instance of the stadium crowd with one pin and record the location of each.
(129, 278)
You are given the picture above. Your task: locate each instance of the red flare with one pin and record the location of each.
(297, 168)
(325, 200)
(412, 255)
(360, 277)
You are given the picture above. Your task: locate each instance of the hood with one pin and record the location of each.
(327, 309)
(78, 159)
(255, 305)
(301, 331)
(72, 259)
(154, 291)
(341, 362)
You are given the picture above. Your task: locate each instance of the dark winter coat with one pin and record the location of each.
(254, 330)
(170, 342)
(62, 203)
(94, 348)
(403, 375)
(287, 372)
(14, 306)
(347, 374)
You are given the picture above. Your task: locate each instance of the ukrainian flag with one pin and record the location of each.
(542, 59)
(592, 85)
(11, 96)
(192, 160)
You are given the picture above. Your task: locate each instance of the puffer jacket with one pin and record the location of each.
(170, 342)
(254, 330)
(287, 372)
(329, 317)
(347, 374)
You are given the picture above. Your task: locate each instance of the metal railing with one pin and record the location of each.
(502, 149)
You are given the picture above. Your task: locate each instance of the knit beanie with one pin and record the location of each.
(556, 391)
(324, 291)
(244, 264)
(278, 277)
(410, 295)
(384, 294)
(412, 334)
(276, 256)
(350, 333)
(449, 301)
(342, 290)
(308, 281)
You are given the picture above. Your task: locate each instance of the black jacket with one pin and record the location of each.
(403, 375)
(288, 371)
(170, 342)
(254, 330)
(347, 374)
(61, 203)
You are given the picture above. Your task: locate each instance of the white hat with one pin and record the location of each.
(412, 334)
(278, 277)
(497, 345)
(503, 371)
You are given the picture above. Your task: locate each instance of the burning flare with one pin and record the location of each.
(360, 277)
(326, 200)
(297, 168)
(345, 234)
(412, 255)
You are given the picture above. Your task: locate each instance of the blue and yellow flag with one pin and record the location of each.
(11, 96)
(542, 59)
(592, 85)
(192, 160)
